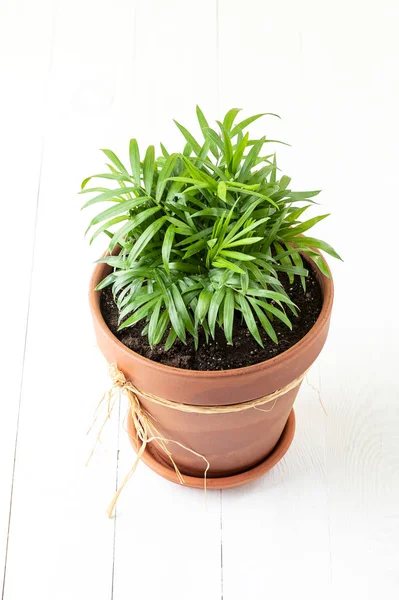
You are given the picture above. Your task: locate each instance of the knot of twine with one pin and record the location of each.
(144, 422)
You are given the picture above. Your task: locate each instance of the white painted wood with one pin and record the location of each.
(325, 521)
(168, 538)
(91, 103)
(61, 542)
(23, 74)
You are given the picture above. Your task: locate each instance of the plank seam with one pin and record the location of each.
(22, 371)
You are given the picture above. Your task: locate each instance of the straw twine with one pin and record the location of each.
(146, 430)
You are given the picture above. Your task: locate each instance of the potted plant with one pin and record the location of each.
(211, 302)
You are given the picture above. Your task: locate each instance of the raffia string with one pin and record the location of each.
(146, 430)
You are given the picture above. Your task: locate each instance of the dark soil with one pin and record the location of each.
(218, 354)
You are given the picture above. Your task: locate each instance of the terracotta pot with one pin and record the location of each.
(234, 442)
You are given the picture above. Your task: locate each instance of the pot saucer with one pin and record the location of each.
(219, 483)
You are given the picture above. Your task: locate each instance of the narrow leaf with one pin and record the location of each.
(149, 160)
(134, 156)
(228, 315)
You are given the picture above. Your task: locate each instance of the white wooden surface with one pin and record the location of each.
(78, 76)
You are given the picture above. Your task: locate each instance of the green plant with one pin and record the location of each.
(203, 234)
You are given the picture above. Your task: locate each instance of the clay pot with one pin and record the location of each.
(235, 442)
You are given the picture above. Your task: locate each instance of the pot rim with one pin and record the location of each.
(327, 288)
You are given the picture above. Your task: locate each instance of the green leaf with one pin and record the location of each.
(106, 225)
(294, 270)
(181, 226)
(167, 246)
(241, 221)
(185, 267)
(115, 211)
(273, 231)
(273, 174)
(320, 262)
(139, 300)
(222, 190)
(204, 124)
(132, 224)
(228, 315)
(216, 300)
(238, 154)
(243, 124)
(194, 248)
(200, 174)
(189, 138)
(293, 231)
(164, 151)
(269, 294)
(228, 148)
(210, 212)
(213, 137)
(194, 182)
(106, 281)
(302, 195)
(109, 196)
(114, 159)
(161, 326)
(229, 118)
(175, 318)
(244, 281)
(298, 262)
(134, 156)
(164, 174)
(285, 260)
(111, 176)
(247, 229)
(236, 255)
(95, 189)
(196, 236)
(170, 340)
(148, 168)
(113, 261)
(273, 310)
(145, 239)
(243, 242)
(182, 310)
(250, 159)
(309, 241)
(204, 300)
(221, 263)
(294, 214)
(284, 182)
(139, 314)
(253, 194)
(264, 321)
(249, 318)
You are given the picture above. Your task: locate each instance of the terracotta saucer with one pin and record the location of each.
(218, 483)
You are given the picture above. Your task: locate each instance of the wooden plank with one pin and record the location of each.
(275, 530)
(265, 523)
(61, 543)
(168, 538)
(325, 521)
(23, 73)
